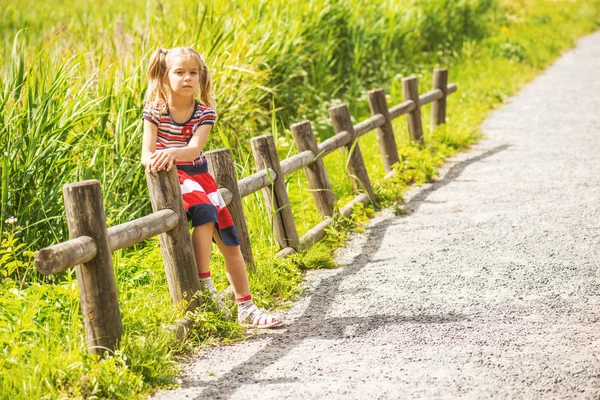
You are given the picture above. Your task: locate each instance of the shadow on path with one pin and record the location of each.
(313, 323)
(454, 172)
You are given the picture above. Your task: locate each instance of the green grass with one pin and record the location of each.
(70, 110)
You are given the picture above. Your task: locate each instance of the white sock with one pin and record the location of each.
(206, 283)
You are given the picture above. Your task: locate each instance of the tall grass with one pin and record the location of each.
(74, 81)
(72, 91)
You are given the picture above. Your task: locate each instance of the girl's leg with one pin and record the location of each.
(202, 242)
(249, 315)
(235, 267)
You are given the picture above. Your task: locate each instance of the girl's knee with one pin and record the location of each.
(232, 251)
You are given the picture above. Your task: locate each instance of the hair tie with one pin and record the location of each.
(163, 51)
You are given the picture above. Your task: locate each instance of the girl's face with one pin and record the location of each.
(184, 77)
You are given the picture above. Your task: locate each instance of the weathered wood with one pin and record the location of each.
(62, 256)
(340, 117)
(452, 88)
(278, 204)
(315, 233)
(181, 327)
(137, 230)
(438, 108)
(389, 174)
(385, 132)
(410, 88)
(430, 96)
(226, 194)
(296, 162)
(286, 252)
(347, 209)
(95, 278)
(317, 177)
(403, 108)
(333, 143)
(221, 167)
(176, 244)
(369, 124)
(255, 182)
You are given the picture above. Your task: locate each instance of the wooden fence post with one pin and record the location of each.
(278, 204)
(221, 167)
(96, 278)
(176, 244)
(340, 116)
(315, 173)
(410, 88)
(385, 133)
(438, 108)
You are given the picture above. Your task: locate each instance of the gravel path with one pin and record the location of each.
(489, 287)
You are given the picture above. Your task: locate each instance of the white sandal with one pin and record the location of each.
(254, 317)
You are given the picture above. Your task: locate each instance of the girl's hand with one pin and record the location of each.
(159, 160)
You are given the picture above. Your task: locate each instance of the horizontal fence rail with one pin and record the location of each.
(58, 258)
(92, 242)
(369, 124)
(402, 108)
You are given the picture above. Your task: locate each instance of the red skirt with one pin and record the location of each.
(203, 201)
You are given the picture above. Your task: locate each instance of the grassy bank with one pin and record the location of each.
(74, 81)
(70, 110)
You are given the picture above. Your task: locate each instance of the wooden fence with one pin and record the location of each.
(91, 244)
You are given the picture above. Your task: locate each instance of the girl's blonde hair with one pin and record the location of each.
(160, 63)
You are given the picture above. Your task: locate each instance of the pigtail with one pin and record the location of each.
(206, 86)
(157, 71)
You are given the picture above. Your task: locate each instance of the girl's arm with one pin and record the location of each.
(148, 143)
(164, 159)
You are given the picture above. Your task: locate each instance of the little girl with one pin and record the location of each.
(176, 127)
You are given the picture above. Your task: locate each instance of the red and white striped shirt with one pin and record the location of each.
(173, 134)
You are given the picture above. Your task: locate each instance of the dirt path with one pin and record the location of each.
(490, 287)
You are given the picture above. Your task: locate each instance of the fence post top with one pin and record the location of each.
(217, 151)
(300, 124)
(410, 78)
(90, 182)
(338, 107)
(261, 137)
(379, 90)
(160, 173)
(440, 70)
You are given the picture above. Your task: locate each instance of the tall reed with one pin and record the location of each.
(74, 81)
(70, 105)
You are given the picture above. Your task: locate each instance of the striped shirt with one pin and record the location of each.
(173, 134)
